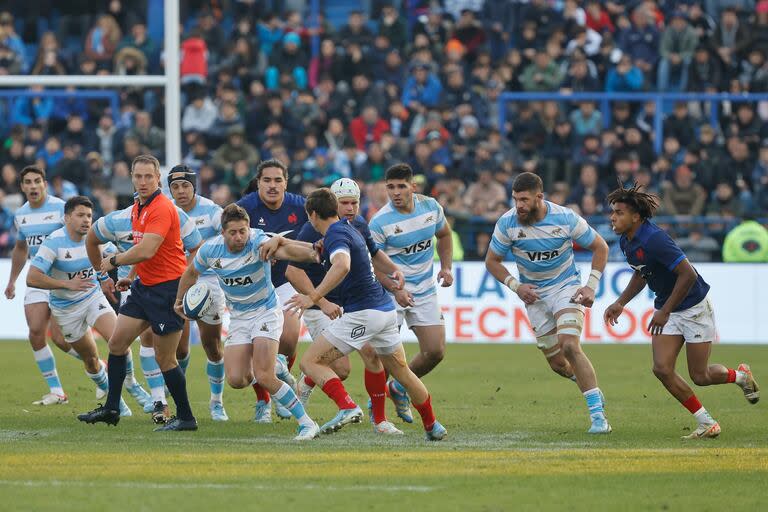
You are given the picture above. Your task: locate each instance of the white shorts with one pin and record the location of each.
(316, 322)
(76, 321)
(695, 324)
(352, 331)
(284, 293)
(214, 314)
(35, 295)
(243, 329)
(542, 313)
(426, 312)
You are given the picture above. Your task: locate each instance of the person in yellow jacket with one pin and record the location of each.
(458, 250)
(746, 243)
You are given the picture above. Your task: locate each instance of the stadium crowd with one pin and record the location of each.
(416, 82)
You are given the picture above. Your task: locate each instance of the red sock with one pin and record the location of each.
(308, 381)
(335, 390)
(692, 404)
(291, 360)
(427, 415)
(731, 375)
(261, 393)
(376, 385)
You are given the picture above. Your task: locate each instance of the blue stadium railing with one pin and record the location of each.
(605, 99)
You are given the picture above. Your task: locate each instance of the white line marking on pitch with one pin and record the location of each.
(153, 485)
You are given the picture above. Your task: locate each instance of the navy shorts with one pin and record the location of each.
(155, 305)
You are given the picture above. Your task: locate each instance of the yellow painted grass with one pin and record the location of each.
(217, 466)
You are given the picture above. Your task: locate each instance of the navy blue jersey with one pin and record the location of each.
(316, 271)
(359, 290)
(654, 254)
(285, 221)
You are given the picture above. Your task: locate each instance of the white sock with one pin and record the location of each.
(72, 352)
(703, 417)
(741, 377)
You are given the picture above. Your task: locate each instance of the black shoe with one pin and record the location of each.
(177, 424)
(160, 414)
(100, 414)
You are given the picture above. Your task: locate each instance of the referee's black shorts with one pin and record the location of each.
(155, 305)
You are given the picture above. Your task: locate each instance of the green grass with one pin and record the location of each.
(516, 441)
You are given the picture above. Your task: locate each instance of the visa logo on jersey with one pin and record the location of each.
(35, 240)
(418, 247)
(81, 274)
(237, 281)
(542, 255)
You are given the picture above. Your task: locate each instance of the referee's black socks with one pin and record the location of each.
(177, 385)
(116, 373)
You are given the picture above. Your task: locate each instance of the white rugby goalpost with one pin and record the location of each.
(170, 80)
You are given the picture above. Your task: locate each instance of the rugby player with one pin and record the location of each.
(540, 235)
(305, 277)
(206, 216)
(276, 211)
(241, 259)
(37, 218)
(61, 265)
(158, 256)
(369, 318)
(404, 229)
(684, 313)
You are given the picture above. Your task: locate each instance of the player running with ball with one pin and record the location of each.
(241, 259)
(684, 314)
(540, 235)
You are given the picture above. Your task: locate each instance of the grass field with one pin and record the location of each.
(516, 442)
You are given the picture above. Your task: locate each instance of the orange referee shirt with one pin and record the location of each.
(159, 216)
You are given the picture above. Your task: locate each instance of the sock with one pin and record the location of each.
(426, 413)
(398, 387)
(72, 352)
(308, 381)
(291, 360)
(595, 404)
(215, 371)
(335, 390)
(699, 412)
(153, 374)
(573, 378)
(47, 365)
(375, 385)
(130, 378)
(116, 371)
(100, 377)
(288, 399)
(262, 395)
(177, 385)
(692, 404)
(736, 376)
(184, 362)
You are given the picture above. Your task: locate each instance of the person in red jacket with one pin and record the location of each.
(597, 18)
(367, 128)
(194, 59)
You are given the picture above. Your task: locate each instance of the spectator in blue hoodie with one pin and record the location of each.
(624, 77)
(422, 86)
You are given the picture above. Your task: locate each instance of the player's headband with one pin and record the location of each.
(182, 173)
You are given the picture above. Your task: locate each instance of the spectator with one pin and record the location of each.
(73, 168)
(746, 243)
(625, 77)
(597, 18)
(498, 16)
(699, 247)
(641, 40)
(140, 40)
(367, 128)
(210, 30)
(542, 75)
(730, 41)
(288, 59)
(234, 150)
(328, 63)
(102, 41)
(393, 27)
(579, 79)
(725, 202)
(422, 89)
(483, 195)
(9, 179)
(680, 125)
(706, 73)
(355, 31)
(27, 110)
(682, 196)
(586, 120)
(7, 238)
(754, 71)
(199, 115)
(106, 135)
(12, 41)
(194, 60)
(470, 33)
(589, 185)
(678, 43)
(149, 136)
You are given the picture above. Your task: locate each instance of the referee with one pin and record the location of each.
(158, 257)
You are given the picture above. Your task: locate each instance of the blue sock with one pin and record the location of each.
(47, 365)
(398, 387)
(288, 399)
(183, 363)
(100, 378)
(215, 371)
(130, 379)
(595, 403)
(153, 374)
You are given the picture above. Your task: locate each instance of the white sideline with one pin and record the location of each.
(153, 485)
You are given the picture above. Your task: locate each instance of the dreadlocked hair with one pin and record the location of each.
(643, 203)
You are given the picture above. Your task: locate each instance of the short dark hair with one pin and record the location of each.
(528, 182)
(399, 172)
(74, 202)
(253, 185)
(642, 203)
(323, 202)
(146, 159)
(232, 213)
(33, 169)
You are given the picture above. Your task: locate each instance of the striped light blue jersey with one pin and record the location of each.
(115, 227)
(244, 278)
(544, 251)
(35, 224)
(63, 258)
(407, 239)
(206, 216)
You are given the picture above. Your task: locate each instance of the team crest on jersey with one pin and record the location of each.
(217, 263)
(264, 327)
(398, 230)
(261, 221)
(200, 221)
(428, 220)
(521, 234)
(557, 232)
(48, 217)
(67, 255)
(640, 254)
(23, 220)
(293, 218)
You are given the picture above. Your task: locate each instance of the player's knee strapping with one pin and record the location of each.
(570, 324)
(548, 345)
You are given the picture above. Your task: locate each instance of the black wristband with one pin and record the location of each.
(113, 261)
